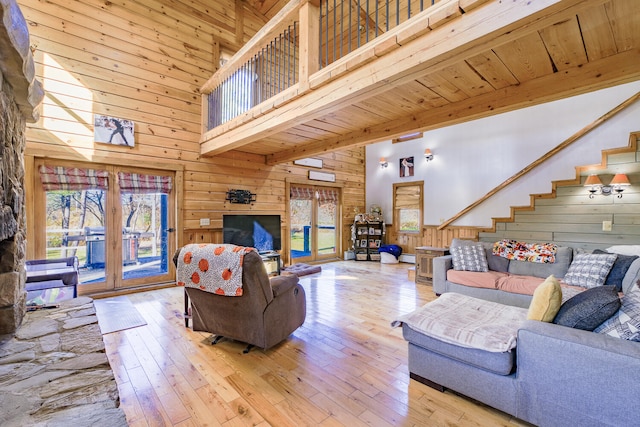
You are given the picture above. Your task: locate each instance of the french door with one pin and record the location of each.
(117, 221)
(313, 222)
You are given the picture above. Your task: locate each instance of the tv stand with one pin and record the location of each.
(271, 262)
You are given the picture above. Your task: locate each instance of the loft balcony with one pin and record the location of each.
(323, 75)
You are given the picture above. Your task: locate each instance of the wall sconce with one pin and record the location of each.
(617, 185)
(428, 155)
(383, 163)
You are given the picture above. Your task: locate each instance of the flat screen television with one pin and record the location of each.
(258, 231)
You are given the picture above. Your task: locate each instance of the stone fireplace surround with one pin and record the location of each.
(53, 366)
(20, 94)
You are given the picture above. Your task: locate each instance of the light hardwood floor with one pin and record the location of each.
(346, 366)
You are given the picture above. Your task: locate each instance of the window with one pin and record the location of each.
(407, 207)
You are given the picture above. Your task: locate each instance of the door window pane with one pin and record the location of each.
(144, 235)
(75, 227)
(301, 212)
(327, 219)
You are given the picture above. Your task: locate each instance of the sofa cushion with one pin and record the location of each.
(588, 309)
(546, 301)
(619, 269)
(488, 279)
(626, 322)
(502, 363)
(589, 270)
(496, 262)
(525, 285)
(564, 255)
(467, 322)
(469, 258)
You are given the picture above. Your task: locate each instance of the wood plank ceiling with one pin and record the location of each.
(585, 46)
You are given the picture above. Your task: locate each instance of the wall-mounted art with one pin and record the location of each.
(112, 130)
(241, 196)
(406, 167)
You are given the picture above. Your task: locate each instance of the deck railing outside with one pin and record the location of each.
(268, 66)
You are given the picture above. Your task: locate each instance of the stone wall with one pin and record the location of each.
(12, 223)
(20, 94)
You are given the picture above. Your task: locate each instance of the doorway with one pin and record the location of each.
(117, 221)
(313, 222)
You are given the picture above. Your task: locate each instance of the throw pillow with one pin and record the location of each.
(469, 258)
(546, 300)
(619, 269)
(588, 309)
(626, 322)
(589, 270)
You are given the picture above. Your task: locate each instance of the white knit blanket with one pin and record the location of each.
(468, 322)
(212, 268)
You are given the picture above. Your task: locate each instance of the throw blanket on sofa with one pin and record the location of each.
(212, 268)
(467, 322)
(520, 251)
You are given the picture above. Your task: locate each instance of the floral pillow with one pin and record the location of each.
(469, 258)
(521, 251)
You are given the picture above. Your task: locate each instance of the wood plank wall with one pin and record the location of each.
(431, 236)
(145, 61)
(572, 219)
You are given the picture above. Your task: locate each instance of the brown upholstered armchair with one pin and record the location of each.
(268, 311)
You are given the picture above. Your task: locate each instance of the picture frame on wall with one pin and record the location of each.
(113, 130)
(406, 167)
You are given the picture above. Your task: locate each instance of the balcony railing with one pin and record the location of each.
(302, 39)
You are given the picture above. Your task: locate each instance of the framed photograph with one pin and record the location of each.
(377, 243)
(372, 230)
(112, 130)
(363, 243)
(406, 167)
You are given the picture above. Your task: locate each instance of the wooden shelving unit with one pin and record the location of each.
(368, 236)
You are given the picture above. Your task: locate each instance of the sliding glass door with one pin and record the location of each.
(117, 222)
(313, 222)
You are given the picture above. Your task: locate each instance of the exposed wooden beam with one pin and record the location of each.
(564, 144)
(449, 43)
(594, 75)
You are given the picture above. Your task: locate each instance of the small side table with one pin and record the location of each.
(424, 262)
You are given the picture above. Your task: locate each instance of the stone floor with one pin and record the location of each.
(55, 372)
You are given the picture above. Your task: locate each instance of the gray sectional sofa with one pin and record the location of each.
(556, 376)
(516, 291)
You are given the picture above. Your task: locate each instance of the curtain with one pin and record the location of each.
(327, 195)
(62, 178)
(135, 183)
(301, 193)
(323, 195)
(407, 197)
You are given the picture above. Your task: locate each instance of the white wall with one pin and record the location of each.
(472, 158)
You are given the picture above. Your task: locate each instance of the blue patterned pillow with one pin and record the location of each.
(619, 269)
(469, 258)
(625, 323)
(587, 310)
(589, 270)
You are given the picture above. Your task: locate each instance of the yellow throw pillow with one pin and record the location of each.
(547, 299)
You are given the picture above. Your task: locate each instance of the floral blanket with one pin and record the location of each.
(531, 252)
(212, 268)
